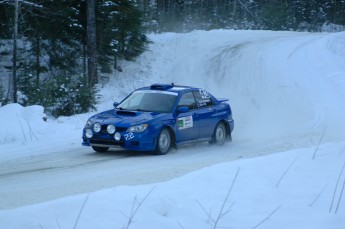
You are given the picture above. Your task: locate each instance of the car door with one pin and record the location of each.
(206, 111)
(187, 122)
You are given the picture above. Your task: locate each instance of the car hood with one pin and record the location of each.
(125, 118)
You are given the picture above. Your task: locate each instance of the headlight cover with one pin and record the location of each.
(138, 128)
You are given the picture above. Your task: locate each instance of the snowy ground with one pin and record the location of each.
(287, 92)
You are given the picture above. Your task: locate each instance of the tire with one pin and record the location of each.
(100, 149)
(163, 143)
(219, 134)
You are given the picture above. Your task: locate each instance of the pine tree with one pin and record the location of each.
(5, 24)
(274, 15)
(121, 33)
(336, 12)
(2, 95)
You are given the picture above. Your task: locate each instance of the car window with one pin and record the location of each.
(157, 102)
(203, 98)
(153, 101)
(187, 100)
(132, 102)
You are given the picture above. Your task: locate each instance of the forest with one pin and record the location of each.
(295, 15)
(58, 53)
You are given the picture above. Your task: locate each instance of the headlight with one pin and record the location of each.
(138, 128)
(111, 129)
(88, 133)
(88, 124)
(97, 127)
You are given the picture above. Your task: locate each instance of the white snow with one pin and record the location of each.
(287, 92)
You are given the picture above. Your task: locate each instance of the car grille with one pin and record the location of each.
(106, 142)
(118, 129)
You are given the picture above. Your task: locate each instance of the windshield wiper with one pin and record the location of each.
(141, 110)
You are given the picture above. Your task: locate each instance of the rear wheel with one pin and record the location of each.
(100, 149)
(163, 142)
(219, 135)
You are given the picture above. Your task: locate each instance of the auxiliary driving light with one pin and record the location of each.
(88, 133)
(111, 129)
(97, 127)
(117, 136)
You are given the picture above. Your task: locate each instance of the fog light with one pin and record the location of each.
(117, 136)
(111, 129)
(88, 133)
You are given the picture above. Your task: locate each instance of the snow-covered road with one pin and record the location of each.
(285, 88)
(32, 179)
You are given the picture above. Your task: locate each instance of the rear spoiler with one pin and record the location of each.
(222, 100)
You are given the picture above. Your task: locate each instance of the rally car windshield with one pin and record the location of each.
(149, 100)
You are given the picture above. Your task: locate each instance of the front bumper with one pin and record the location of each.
(132, 141)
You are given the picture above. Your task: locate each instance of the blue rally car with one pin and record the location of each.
(159, 117)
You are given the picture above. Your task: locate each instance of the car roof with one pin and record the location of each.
(168, 87)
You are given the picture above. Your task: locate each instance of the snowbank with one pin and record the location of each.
(21, 124)
(285, 190)
(28, 131)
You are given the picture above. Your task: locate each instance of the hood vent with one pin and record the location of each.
(162, 86)
(128, 113)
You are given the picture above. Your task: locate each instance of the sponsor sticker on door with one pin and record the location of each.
(185, 122)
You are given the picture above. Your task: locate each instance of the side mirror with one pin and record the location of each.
(115, 104)
(183, 109)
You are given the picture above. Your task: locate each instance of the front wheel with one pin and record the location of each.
(100, 149)
(163, 142)
(219, 135)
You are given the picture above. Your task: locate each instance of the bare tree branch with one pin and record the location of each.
(21, 1)
(318, 196)
(340, 197)
(265, 219)
(336, 187)
(222, 212)
(30, 4)
(286, 171)
(80, 211)
(135, 208)
(320, 140)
